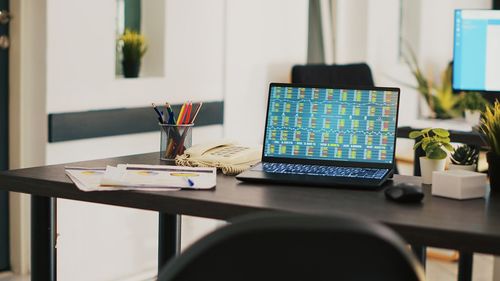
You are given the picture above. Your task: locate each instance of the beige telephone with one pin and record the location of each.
(226, 155)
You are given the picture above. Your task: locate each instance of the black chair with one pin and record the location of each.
(333, 75)
(294, 247)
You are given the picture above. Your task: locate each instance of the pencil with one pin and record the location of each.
(181, 114)
(196, 112)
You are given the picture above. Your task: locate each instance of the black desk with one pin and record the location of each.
(470, 226)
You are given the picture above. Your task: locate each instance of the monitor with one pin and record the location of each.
(476, 55)
(331, 124)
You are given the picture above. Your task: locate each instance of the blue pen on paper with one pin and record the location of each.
(189, 181)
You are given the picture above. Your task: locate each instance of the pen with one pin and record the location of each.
(160, 116)
(171, 117)
(189, 181)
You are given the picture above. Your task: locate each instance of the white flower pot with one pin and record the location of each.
(427, 166)
(473, 118)
(471, 168)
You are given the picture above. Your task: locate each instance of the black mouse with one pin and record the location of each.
(404, 193)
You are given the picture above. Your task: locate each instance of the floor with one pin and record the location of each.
(436, 271)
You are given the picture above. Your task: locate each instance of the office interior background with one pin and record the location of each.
(62, 59)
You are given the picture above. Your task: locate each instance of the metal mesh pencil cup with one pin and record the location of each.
(174, 140)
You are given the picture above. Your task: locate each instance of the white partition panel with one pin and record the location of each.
(264, 39)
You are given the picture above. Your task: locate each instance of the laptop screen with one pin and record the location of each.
(354, 125)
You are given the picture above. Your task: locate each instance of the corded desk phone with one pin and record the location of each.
(227, 155)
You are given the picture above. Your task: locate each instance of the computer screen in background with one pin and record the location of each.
(331, 124)
(476, 56)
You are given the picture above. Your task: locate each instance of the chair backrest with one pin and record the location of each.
(294, 247)
(333, 75)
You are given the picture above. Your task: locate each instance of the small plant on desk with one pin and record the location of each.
(464, 157)
(434, 142)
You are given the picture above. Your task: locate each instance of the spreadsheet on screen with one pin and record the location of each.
(331, 124)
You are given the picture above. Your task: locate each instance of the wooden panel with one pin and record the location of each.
(112, 122)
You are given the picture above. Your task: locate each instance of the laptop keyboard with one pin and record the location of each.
(330, 171)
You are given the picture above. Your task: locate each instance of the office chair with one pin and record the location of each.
(333, 75)
(296, 247)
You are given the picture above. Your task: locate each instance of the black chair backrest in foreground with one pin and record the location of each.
(333, 75)
(294, 247)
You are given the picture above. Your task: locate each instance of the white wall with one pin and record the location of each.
(213, 50)
(264, 39)
(100, 242)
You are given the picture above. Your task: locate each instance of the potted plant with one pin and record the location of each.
(439, 98)
(490, 127)
(464, 157)
(133, 47)
(434, 142)
(473, 104)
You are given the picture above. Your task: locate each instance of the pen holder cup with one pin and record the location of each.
(174, 140)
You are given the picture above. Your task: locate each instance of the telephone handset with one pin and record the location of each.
(227, 155)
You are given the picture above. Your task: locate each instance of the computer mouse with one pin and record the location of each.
(404, 193)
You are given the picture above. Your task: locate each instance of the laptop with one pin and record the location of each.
(328, 136)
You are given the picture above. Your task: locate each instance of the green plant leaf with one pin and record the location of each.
(431, 146)
(415, 134)
(425, 143)
(448, 146)
(426, 130)
(441, 132)
(417, 144)
(437, 154)
(441, 139)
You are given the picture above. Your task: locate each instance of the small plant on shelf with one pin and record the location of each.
(440, 98)
(473, 104)
(473, 101)
(464, 157)
(435, 142)
(133, 47)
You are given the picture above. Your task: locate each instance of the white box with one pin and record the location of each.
(459, 184)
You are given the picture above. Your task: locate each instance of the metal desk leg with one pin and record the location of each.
(465, 266)
(169, 238)
(418, 250)
(43, 238)
(417, 153)
(421, 253)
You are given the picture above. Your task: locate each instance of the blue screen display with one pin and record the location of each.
(476, 64)
(331, 124)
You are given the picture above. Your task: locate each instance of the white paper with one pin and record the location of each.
(142, 177)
